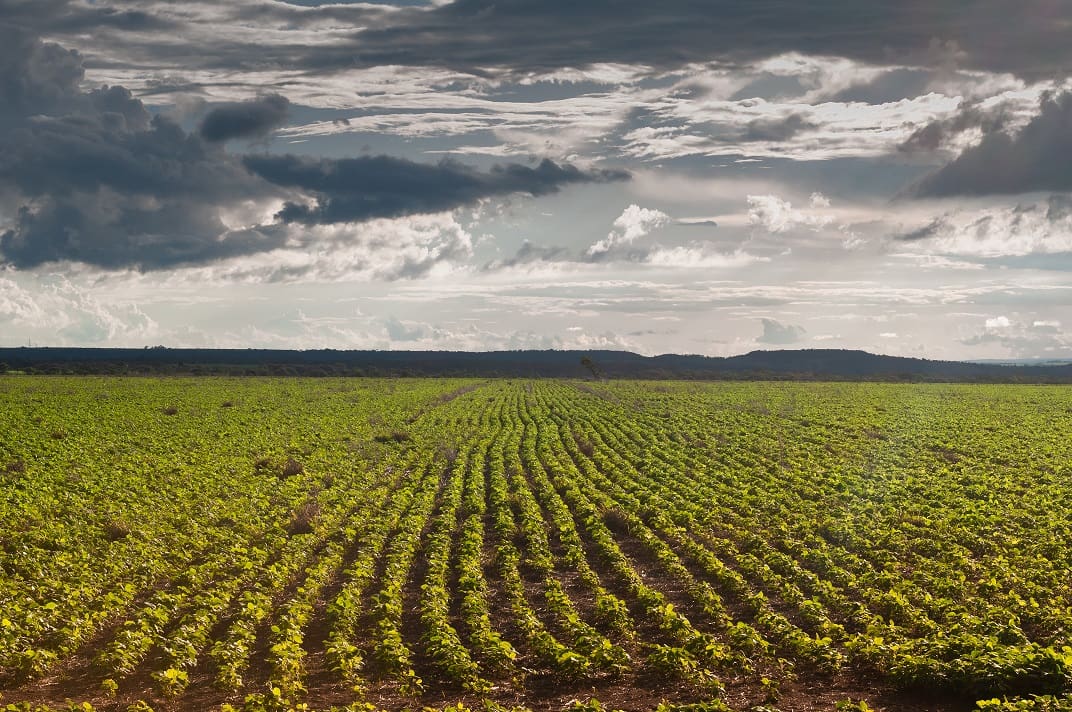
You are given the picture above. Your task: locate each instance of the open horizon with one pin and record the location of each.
(474, 175)
(1056, 359)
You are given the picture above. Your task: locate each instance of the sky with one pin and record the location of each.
(686, 176)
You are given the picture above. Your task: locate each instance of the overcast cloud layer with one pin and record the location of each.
(701, 177)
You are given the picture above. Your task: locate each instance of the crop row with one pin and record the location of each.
(277, 545)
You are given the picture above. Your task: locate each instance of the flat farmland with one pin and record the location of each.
(364, 544)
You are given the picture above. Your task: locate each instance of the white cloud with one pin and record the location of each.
(714, 123)
(819, 76)
(634, 222)
(694, 256)
(1021, 337)
(999, 231)
(776, 215)
(382, 249)
(410, 103)
(599, 73)
(17, 305)
(700, 108)
(420, 273)
(937, 262)
(998, 323)
(399, 331)
(779, 334)
(688, 126)
(53, 309)
(818, 200)
(418, 335)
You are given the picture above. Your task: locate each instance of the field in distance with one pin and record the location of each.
(361, 544)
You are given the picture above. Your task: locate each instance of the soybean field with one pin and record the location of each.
(387, 544)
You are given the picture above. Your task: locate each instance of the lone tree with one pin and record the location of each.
(588, 363)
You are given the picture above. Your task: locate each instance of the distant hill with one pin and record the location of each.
(1025, 361)
(807, 364)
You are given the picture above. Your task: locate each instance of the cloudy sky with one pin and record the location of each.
(692, 176)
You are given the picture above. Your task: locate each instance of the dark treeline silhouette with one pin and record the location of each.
(808, 364)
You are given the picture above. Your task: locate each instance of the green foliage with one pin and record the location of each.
(590, 705)
(467, 538)
(1034, 703)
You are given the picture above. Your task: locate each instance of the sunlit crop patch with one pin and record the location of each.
(387, 544)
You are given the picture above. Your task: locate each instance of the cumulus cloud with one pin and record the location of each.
(1022, 337)
(1042, 227)
(1033, 159)
(695, 255)
(64, 313)
(818, 200)
(1051, 326)
(355, 189)
(634, 222)
(247, 119)
(398, 331)
(17, 305)
(777, 333)
(419, 335)
(405, 248)
(776, 215)
(997, 323)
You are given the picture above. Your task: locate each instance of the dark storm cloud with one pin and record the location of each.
(937, 134)
(928, 231)
(93, 188)
(1034, 159)
(60, 156)
(356, 14)
(354, 189)
(894, 85)
(781, 129)
(119, 233)
(245, 119)
(125, 30)
(66, 17)
(535, 35)
(530, 253)
(36, 78)
(1058, 207)
(549, 34)
(90, 176)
